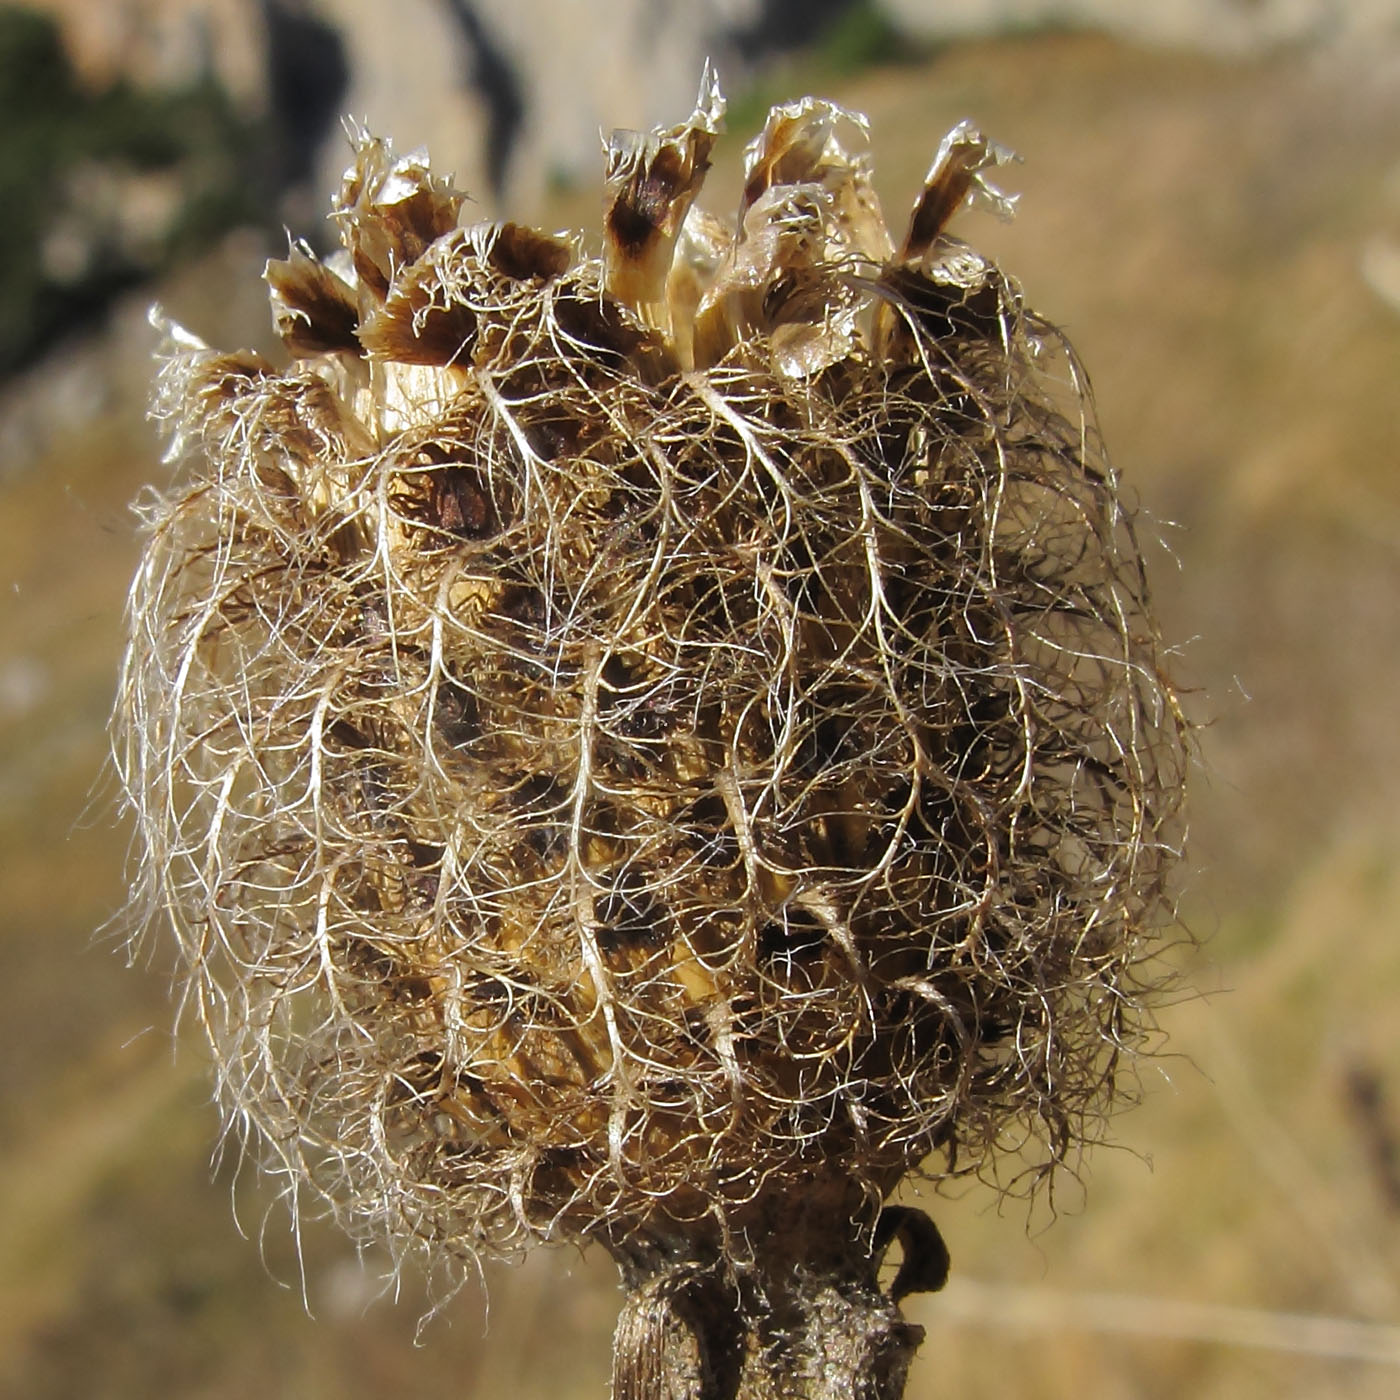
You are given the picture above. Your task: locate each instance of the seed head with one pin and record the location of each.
(619, 739)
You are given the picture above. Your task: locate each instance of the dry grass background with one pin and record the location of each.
(1199, 231)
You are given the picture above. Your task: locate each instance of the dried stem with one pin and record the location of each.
(805, 1319)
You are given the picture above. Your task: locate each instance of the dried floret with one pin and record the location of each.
(652, 747)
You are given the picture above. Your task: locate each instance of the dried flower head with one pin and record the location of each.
(624, 740)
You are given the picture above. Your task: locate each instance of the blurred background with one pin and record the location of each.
(1211, 208)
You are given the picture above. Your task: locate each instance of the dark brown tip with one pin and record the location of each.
(523, 253)
(421, 322)
(642, 212)
(314, 311)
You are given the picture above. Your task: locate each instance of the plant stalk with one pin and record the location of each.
(806, 1317)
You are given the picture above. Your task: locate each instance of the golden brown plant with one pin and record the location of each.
(655, 748)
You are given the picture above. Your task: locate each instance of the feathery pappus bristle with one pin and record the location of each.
(622, 738)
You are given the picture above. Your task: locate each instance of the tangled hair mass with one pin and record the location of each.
(621, 740)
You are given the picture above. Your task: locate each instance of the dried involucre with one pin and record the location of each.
(624, 743)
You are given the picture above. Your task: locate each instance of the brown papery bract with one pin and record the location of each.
(624, 741)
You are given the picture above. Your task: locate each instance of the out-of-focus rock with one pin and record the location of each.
(1221, 26)
(166, 43)
(409, 79)
(638, 70)
(512, 94)
(510, 91)
(106, 211)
